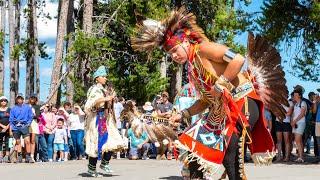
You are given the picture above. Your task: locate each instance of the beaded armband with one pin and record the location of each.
(222, 83)
(229, 55)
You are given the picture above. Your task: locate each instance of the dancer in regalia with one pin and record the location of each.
(102, 137)
(232, 87)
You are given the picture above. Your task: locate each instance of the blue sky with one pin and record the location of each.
(47, 33)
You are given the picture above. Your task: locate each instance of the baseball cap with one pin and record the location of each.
(33, 95)
(20, 95)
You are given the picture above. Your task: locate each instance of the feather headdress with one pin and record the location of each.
(269, 76)
(169, 32)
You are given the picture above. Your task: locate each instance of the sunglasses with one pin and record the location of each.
(2, 100)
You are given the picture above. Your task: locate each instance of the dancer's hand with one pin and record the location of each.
(175, 119)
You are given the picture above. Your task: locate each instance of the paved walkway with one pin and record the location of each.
(145, 170)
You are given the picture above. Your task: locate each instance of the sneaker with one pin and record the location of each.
(1, 160)
(92, 173)
(106, 168)
(145, 157)
(50, 160)
(19, 159)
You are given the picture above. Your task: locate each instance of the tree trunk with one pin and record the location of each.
(87, 27)
(163, 67)
(36, 62)
(14, 30)
(178, 78)
(30, 55)
(56, 72)
(70, 29)
(2, 40)
(87, 16)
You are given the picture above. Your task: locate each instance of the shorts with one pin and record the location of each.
(283, 126)
(300, 129)
(24, 132)
(58, 147)
(34, 127)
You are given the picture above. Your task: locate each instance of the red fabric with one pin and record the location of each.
(261, 137)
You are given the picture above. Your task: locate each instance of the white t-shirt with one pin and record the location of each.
(118, 107)
(59, 136)
(288, 118)
(76, 122)
(297, 110)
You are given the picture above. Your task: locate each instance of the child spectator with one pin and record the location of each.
(60, 139)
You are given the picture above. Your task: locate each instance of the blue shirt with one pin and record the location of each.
(136, 141)
(318, 113)
(20, 116)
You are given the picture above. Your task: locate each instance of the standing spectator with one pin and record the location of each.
(50, 120)
(118, 108)
(283, 131)
(42, 144)
(316, 109)
(67, 107)
(298, 123)
(310, 127)
(4, 129)
(20, 120)
(60, 139)
(34, 128)
(76, 125)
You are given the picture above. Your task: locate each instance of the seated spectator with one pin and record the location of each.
(147, 108)
(60, 139)
(138, 142)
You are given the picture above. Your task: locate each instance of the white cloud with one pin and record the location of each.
(50, 50)
(45, 72)
(48, 28)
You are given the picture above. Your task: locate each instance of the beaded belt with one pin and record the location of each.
(242, 90)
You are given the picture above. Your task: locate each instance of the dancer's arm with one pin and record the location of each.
(199, 106)
(219, 53)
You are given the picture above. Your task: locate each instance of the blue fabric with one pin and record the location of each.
(20, 116)
(318, 113)
(43, 148)
(49, 140)
(101, 71)
(77, 139)
(101, 122)
(136, 141)
(58, 147)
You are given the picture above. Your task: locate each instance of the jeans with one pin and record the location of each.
(49, 140)
(77, 139)
(42, 148)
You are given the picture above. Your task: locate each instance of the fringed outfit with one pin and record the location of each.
(220, 135)
(102, 136)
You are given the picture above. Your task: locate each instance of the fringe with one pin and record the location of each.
(207, 167)
(263, 158)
